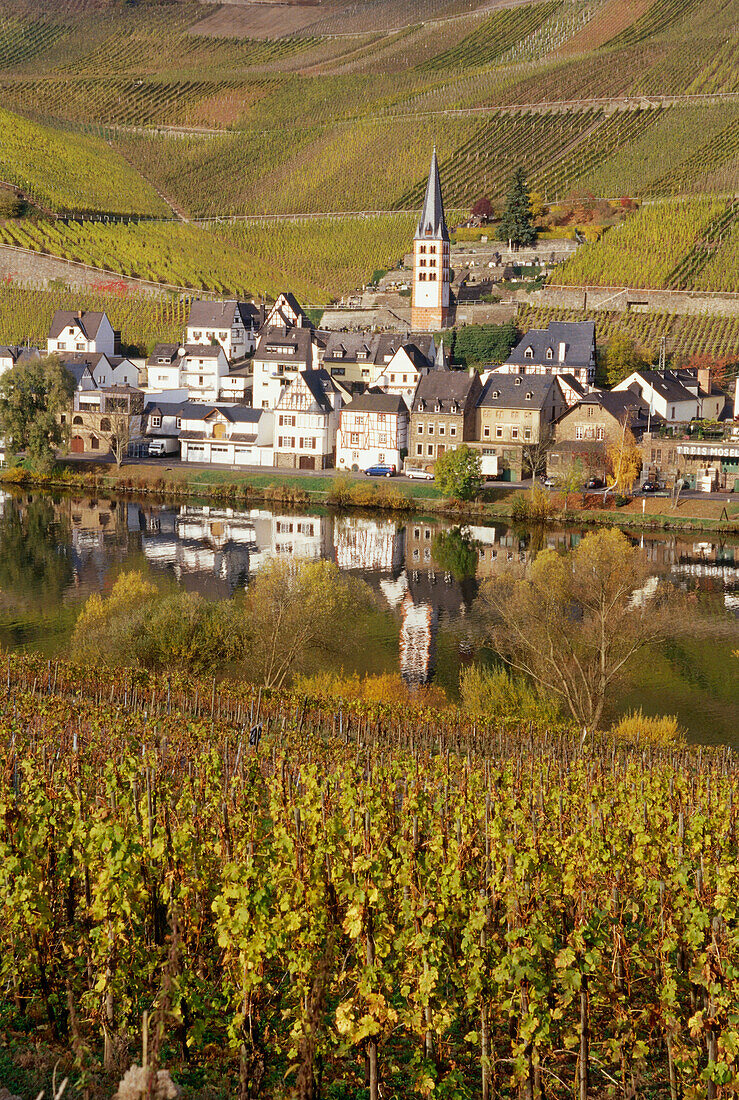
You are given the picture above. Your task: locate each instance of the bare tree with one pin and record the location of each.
(535, 451)
(118, 429)
(574, 622)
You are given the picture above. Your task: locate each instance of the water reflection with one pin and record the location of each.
(425, 572)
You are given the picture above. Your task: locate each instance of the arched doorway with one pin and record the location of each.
(219, 431)
(77, 445)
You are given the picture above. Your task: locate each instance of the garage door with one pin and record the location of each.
(195, 453)
(77, 445)
(307, 462)
(220, 454)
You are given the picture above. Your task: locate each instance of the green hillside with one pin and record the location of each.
(179, 110)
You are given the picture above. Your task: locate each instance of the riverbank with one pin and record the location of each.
(497, 502)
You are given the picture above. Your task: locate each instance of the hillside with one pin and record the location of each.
(183, 110)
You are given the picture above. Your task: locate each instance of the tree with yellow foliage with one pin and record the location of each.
(623, 459)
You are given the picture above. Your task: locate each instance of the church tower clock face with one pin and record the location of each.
(430, 309)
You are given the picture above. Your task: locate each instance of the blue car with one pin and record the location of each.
(380, 471)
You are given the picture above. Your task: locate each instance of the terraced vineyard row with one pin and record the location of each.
(22, 40)
(644, 250)
(492, 38)
(477, 167)
(618, 130)
(722, 73)
(686, 335)
(708, 249)
(660, 16)
(25, 315)
(721, 149)
(138, 102)
(68, 173)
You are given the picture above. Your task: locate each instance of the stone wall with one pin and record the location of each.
(627, 300)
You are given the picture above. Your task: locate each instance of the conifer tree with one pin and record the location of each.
(517, 224)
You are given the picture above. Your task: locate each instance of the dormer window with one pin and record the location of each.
(550, 353)
(437, 407)
(517, 381)
(496, 393)
(529, 395)
(421, 405)
(529, 353)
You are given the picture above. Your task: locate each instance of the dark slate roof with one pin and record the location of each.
(204, 351)
(578, 337)
(570, 381)
(389, 343)
(517, 391)
(319, 383)
(618, 403)
(164, 408)
(432, 223)
(669, 385)
(88, 320)
(279, 337)
(222, 315)
(444, 387)
(169, 352)
(377, 402)
(237, 414)
(347, 347)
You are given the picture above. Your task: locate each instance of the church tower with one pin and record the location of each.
(430, 295)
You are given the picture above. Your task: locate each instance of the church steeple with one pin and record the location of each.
(430, 294)
(432, 223)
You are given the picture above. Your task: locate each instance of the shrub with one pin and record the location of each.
(661, 729)
(383, 688)
(494, 693)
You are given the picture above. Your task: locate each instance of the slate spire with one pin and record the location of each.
(432, 223)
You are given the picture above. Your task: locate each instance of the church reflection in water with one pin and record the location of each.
(426, 572)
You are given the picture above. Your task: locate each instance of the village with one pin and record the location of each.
(263, 386)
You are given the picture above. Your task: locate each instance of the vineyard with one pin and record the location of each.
(367, 902)
(492, 37)
(25, 315)
(663, 245)
(687, 335)
(317, 259)
(77, 172)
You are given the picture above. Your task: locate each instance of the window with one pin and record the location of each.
(430, 450)
(453, 430)
(517, 380)
(80, 347)
(200, 380)
(600, 434)
(94, 443)
(514, 433)
(486, 431)
(381, 416)
(550, 353)
(61, 345)
(222, 335)
(529, 353)
(419, 448)
(104, 424)
(383, 440)
(287, 421)
(527, 433)
(178, 422)
(529, 395)
(77, 420)
(496, 393)
(591, 410)
(431, 429)
(156, 421)
(63, 418)
(196, 336)
(354, 439)
(579, 432)
(441, 429)
(498, 431)
(286, 441)
(420, 429)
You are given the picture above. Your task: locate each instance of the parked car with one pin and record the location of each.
(418, 474)
(549, 482)
(595, 483)
(380, 471)
(651, 487)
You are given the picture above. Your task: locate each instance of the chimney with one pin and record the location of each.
(704, 379)
(562, 351)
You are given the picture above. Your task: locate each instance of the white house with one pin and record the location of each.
(405, 365)
(202, 366)
(231, 324)
(82, 331)
(163, 368)
(230, 435)
(286, 313)
(677, 395)
(373, 428)
(307, 419)
(281, 354)
(10, 355)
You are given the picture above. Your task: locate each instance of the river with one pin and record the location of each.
(57, 550)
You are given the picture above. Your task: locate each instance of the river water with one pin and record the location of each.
(57, 550)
